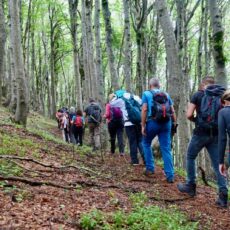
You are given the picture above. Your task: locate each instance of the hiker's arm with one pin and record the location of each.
(190, 112)
(144, 117)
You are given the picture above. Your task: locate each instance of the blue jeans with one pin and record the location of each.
(135, 137)
(163, 131)
(197, 143)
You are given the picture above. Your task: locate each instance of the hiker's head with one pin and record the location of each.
(79, 113)
(206, 81)
(226, 97)
(154, 83)
(91, 100)
(112, 96)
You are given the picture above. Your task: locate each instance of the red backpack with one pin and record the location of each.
(78, 121)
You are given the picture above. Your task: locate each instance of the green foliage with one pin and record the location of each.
(138, 199)
(151, 217)
(9, 169)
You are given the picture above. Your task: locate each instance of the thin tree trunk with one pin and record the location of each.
(173, 61)
(217, 43)
(73, 19)
(2, 47)
(127, 45)
(88, 92)
(22, 88)
(108, 31)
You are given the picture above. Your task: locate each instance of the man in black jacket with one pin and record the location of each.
(205, 135)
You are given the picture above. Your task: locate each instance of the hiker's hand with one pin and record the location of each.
(174, 129)
(223, 170)
(143, 130)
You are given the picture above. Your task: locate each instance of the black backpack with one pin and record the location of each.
(94, 113)
(210, 106)
(161, 108)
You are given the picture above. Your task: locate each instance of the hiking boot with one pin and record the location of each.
(222, 200)
(122, 154)
(190, 189)
(148, 173)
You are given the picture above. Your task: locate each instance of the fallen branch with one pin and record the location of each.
(168, 200)
(10, 157)
(29, 170)
(26, 159)
(34, 182)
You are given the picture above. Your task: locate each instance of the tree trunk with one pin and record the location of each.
(87, 83)
(108, 31)
(73, 20)
(90, 47)
(173, 61)
(101, 83)
(2, 47)
(217, 43)
(22, 88)
(127, 46)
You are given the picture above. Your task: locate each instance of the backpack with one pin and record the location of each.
(78, 121)
(94, 113)
(161, 108)
(210, 106)
(133, 109)
(116, 114)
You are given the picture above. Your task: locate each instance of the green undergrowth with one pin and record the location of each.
(140, 217)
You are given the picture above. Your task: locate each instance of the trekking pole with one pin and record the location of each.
(102, 155)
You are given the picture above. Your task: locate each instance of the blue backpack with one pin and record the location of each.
(133, 109)
(210, 106)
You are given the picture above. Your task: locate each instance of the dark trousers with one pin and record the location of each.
(78, 134)
(116, 130)
(197, 143)
(66, 133)
(135, 142)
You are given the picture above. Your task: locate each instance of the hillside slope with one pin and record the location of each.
(51, 184)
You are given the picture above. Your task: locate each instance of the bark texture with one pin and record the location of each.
(108, 31)
(173, 60)
(217, 42)
(22, 88)
(2, 47)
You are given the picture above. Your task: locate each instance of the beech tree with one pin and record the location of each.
(22, 87)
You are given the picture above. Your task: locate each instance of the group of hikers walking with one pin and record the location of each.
(154, 115)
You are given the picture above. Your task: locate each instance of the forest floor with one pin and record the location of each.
(62, 183)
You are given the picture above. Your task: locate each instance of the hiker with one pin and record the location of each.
(132, 124)
(93, 118)
(72, 113)
(65, 126)
(58, 116)
(114, 117)
(78, 127)
(223, 132)
(158, 117)
(203, 110)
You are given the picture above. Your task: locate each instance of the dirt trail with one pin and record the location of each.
(97, 184)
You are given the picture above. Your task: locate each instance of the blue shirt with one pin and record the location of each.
(147, 98)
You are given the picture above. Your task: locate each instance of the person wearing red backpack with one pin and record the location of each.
(157, 119)
(203, 109)
(78, 127)
(114, 117)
